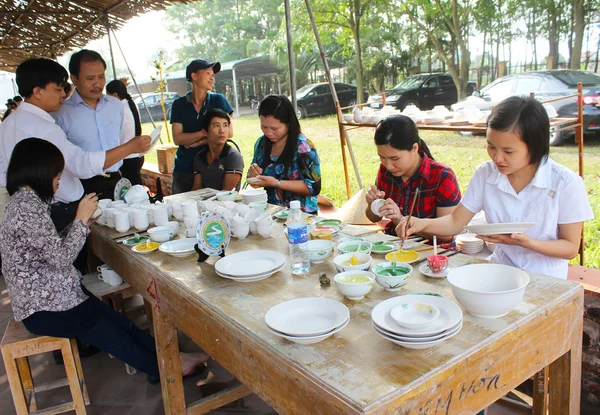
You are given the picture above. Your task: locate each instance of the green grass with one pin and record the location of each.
(462, 153)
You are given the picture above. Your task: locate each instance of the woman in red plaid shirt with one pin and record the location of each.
(407, 164)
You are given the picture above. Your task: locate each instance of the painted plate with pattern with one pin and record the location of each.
(121, 189)
(212, 233)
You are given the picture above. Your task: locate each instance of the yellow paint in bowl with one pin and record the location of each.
(147, 247)
(354, 279)
(403, 256)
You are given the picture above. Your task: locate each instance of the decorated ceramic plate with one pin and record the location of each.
(383, 247)
(212, 233)
(282, 214)
(121, 189)
(332, 229)
(425, 270)
(406, 257)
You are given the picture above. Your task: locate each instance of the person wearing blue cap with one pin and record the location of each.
(187, 114)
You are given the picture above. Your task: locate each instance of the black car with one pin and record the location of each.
(546, 85)
(424, 90)
(316, 99)
(152, 101)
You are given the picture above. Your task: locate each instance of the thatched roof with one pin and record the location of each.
(53, 27)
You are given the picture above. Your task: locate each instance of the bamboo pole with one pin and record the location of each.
(579, 139)
(344, 139)
(290, 47)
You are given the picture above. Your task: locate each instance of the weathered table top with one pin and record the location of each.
(354, 371)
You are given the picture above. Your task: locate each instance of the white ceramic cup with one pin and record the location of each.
(188, 207)
(177, 213)
(104, 203)
(160, 215)
(109, 276)
(122, 221)
(264, 219)
(110, 217)
(148, 209)
(190, 223)
(118, 204)
(241, 231)
(140, 219)
(190, 233)
(376, 205)
(265, 230)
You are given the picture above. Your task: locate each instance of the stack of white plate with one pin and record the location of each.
(249, 266)
(179, 248)
(445, 326)
(254, 195)
(468, 243)
(307, 320)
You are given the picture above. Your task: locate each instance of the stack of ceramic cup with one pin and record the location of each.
(469, 243)
(160, 214)
(190, 215)
(264, 225)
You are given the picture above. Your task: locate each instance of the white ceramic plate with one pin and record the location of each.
(450, 314)
(500, 228)
(417, 345)
(250, 263)
(422, 339)
(282, 214)
(309, 339)
(452, 122)
(137, 251)
(252, 278)
(179, 248)
(311, 316)
(424, 269)
(434, 120)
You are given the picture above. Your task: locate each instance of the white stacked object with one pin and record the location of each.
(469, 243)
(254, 195)
(250, 266)
(446, 325)
(307, 320)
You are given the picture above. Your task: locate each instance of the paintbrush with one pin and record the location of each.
(410, 212)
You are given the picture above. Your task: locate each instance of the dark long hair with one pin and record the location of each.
(400, 132)
(35, 163)
(118, 87)
(280, 108)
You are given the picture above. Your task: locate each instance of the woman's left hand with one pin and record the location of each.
(264, 181)
(520, 239)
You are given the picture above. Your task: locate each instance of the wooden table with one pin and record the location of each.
(355, 371)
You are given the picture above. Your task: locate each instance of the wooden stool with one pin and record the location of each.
(16, 345)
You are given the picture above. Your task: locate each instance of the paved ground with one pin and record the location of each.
(113, 391)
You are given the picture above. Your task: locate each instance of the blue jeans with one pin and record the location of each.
(96, 323)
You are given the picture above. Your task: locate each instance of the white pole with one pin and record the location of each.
(235, 93)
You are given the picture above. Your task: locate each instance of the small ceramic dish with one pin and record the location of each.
(415, 315)
(146, 248)
(383, 247)
(319, 250)
(390, 277)
(136, 240)
(355, 246)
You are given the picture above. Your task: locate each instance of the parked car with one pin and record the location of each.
(152, 101)
(424, 90)
(316, 99)
(546, 85)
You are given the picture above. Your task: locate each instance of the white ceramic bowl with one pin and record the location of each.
(354, 246)
(175, 225)
(265, 230)
(364, 262)
(348, 117)
(319, 250)
(161, 233)
(389, 282)
(227, 196)
(260, 206)
(488, 290)
(354, 291)
(415, 315)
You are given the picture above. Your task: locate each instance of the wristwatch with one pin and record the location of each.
(278, 183)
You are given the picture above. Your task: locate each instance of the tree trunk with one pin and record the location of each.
(480, 74)
(534, 34)
(570, 36)
(587, 48)
(429, 57)
(360, 96)
(579, 12)
(552, 36)
(597, 56)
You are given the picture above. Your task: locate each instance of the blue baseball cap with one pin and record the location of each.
(199, 64)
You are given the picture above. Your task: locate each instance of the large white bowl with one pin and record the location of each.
(364, 259)
(488, 290)
(319, 250)
(354, 291)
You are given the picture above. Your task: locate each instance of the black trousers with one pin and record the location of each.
(62, 214)
(102, 184)
(95, 323)
(131, 170)
(182, 182)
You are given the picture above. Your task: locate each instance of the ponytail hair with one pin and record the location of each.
(400, 132)
(118, 87)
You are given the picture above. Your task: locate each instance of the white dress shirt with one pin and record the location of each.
(92, 129)
(31, 121)
(128, 129)
(555, 196)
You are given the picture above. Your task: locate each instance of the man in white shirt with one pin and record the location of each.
(41, 82)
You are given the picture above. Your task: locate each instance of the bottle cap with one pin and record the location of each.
(295, 204)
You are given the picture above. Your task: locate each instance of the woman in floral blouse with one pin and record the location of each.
(37, 264)
(285, 162)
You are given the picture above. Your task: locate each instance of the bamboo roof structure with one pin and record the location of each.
(50, 28)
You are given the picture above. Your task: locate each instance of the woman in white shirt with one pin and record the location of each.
(132, 127)
(521, 184)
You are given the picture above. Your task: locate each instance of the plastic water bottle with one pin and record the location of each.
(298, 239)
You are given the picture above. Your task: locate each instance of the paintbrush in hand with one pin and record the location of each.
(410, 212)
